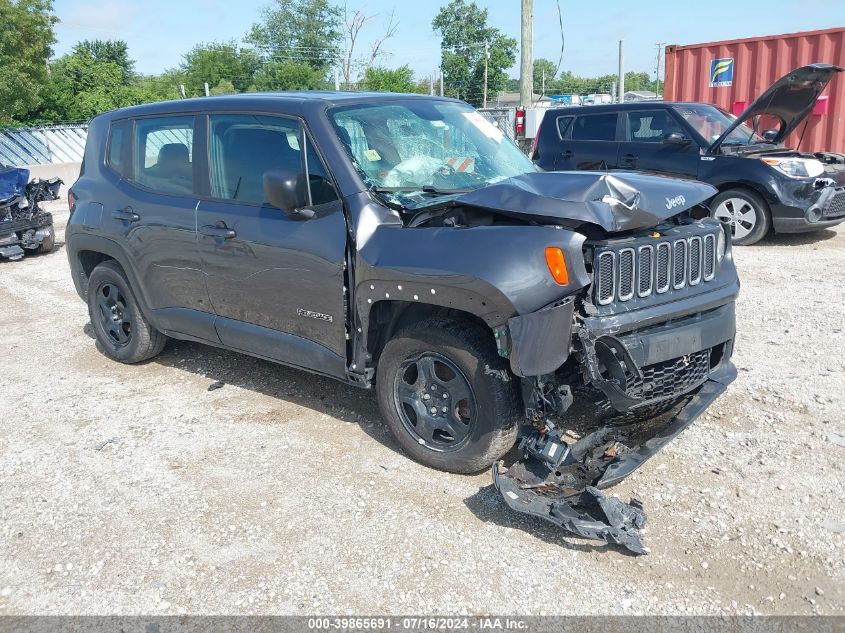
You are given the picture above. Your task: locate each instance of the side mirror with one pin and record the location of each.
(675, 138)
(771, 135)
(287, 190)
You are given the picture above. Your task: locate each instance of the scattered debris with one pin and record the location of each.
(101, 445)
(837, 439)
(23, 225)
(216, 385)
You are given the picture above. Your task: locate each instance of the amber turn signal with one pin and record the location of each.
(557, 265)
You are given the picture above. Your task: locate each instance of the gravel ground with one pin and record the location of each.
(134, 490)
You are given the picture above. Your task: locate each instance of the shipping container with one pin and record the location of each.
(732, 73)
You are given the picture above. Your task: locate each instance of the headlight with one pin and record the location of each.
(796, 167)
(721, 243)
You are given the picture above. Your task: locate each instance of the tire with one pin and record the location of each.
(745, 213)
(47, 243)
(454, 363)
(122, 331)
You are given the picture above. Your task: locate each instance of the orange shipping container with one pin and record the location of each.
(732, 73)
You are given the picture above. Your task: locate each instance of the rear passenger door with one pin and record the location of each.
(276, 283)
(588, 141)
(644, 147)
(150, 210)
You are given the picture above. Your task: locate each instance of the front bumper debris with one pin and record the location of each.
(561, 482)
(24, 226)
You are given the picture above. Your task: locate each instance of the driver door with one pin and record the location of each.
(276, 283)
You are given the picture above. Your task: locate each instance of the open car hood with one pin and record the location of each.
(791, 98)
(617, 201)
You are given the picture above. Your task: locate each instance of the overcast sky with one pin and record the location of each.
(160, 31)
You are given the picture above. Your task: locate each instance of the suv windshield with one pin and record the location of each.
(711, 122)
(413, 151)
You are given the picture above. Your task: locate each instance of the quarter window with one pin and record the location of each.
(164, 154)
(651, 126)
(595, 127)
(118, 140)
(563, 125)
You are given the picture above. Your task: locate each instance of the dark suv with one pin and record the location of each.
(762, 184)
(404, 242)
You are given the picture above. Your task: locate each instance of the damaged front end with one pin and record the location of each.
(611, 375)
(24, 226)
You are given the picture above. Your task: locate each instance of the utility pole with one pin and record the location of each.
(621, 81)
(206, 88)
(659, 50)
(431, 84)
(441, 81)
(543, 90)
(526, 64)
(337, 79)
(182, 90)
(486, 63)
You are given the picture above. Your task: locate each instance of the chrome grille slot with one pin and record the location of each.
(637, 269)
(645, 271)
(663, 252)
(709, 257)
(695, 263)
(604, 277)
(626, 274)
(679, 264)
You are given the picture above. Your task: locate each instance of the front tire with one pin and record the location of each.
(48, 243)
(122, 331)
(744, 213)
(447, 396)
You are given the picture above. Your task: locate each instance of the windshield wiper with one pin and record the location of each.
(424, 189)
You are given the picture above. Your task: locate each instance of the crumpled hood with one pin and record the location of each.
(12, 183)
(615, 201)
(790, 99)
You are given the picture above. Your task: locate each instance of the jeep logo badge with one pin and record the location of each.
(677, 201)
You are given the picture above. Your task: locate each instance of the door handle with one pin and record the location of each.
(223, 232)
(567, 154)
(127, 215)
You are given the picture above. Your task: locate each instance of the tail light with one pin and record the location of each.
(533, 155)
(520, 121)
(71, 200)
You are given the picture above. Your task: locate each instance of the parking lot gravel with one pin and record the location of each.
(136, 490)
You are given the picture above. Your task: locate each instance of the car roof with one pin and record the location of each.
(617, 107)
(295, 101)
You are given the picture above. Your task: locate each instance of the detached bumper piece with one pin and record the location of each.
(561, 482)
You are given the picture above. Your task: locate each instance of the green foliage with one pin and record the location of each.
(114, 51)
(541, 65)
(223, 87)
(288, 75)
(380, 79)
(214, 62)
(26, 38)
(463, 28)
(300, 31)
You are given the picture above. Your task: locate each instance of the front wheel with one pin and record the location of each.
(743, 212)
(447, 396)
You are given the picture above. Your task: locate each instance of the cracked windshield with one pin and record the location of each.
(413, 153)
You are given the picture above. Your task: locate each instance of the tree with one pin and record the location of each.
(544, 74)
(464, 31)
(380, 79)
(25, 46)
(354, 23)
(223, 87)
(288, 75)
(302, 31)
(114, 51)
(214, 62)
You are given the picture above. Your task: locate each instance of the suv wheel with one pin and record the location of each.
(744, 213)
(448, 397)
(121, 329)
(48, 242)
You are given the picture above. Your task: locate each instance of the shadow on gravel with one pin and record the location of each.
(796, 239)
(488, 506)
(320, 394)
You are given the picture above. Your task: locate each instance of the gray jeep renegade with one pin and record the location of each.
(404, 242)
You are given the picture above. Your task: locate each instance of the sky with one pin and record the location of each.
(159, 32)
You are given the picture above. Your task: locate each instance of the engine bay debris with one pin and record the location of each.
(24, 225)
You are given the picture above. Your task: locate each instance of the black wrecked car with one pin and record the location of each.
(762, 185)
(404, 243)
(24, 225)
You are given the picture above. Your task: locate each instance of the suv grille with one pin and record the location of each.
(654, 268)
(670, 378)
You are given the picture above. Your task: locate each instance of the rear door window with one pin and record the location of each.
(595, 127)
(164, 154)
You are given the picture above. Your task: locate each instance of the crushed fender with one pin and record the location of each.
(24, 226)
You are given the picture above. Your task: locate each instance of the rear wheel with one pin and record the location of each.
(743, 212)
(122, 331)
(447, 396)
